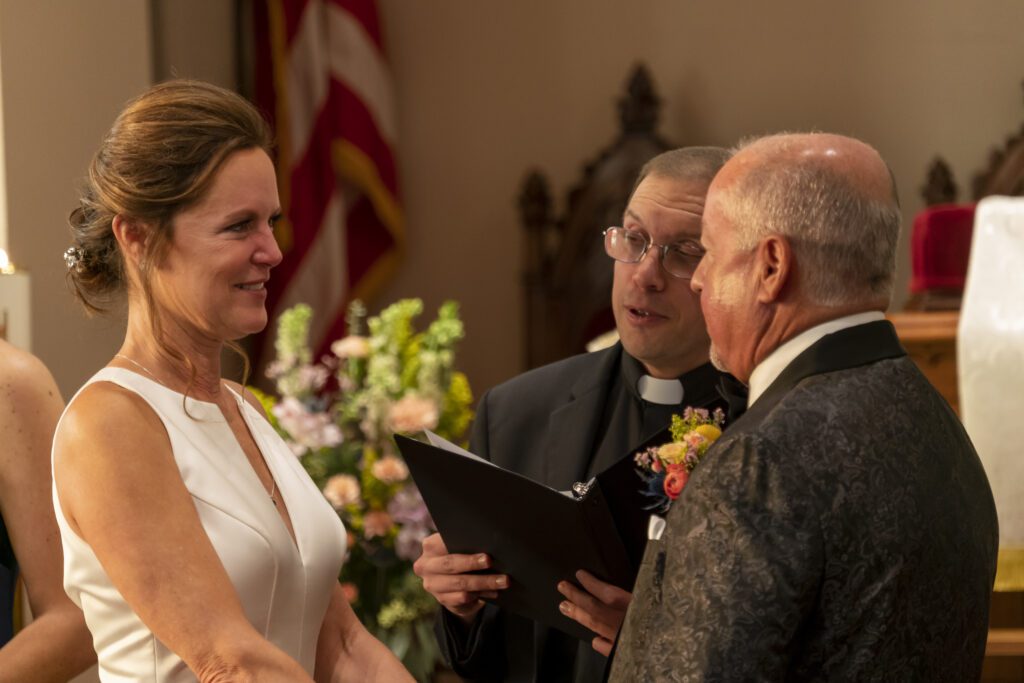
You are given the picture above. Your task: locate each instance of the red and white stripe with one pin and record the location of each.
(335, 120)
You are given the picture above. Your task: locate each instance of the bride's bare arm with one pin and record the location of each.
(121, 491)
(347, 652)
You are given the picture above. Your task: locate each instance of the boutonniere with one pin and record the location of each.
(665, 469)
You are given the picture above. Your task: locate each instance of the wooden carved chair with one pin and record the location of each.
(567, 276)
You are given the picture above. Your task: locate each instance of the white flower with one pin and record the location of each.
(390, 470)
(413, 413)
(352, 346)
(342, 490)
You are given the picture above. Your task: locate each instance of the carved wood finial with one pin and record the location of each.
(939, 188)
(638, 109)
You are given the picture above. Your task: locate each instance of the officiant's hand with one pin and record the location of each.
(446, 577)
(601, 608)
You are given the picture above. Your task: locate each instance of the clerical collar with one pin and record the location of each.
(662, 391)
(697, 385)
(768, 370)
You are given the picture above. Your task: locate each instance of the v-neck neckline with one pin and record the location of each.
(272, 467)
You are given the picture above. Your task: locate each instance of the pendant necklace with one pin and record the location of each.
(273, 482)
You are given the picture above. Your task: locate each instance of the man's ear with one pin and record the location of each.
(774, 267)
(131, 237)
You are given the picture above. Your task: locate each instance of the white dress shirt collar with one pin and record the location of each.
(768, 370)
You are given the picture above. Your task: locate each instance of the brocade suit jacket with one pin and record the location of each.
(542, 424)
(842, 529)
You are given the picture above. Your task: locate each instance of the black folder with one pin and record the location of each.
(536, 535)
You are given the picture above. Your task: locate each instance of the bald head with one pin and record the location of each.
(832, 197)
(857, 162)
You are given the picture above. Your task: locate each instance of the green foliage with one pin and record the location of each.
(395, 370)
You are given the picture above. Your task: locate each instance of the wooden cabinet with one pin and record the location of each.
(930, 339)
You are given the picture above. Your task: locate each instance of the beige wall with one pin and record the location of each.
(195, 39)
(67, 68)
(488, 90)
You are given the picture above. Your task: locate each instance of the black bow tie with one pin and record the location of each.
(735, 394)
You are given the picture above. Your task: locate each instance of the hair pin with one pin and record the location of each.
(73, 257)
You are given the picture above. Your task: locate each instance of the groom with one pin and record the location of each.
(843, 528)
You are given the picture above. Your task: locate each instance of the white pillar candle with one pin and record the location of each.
(15, 305)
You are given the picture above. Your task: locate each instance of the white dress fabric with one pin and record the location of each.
(284, 586)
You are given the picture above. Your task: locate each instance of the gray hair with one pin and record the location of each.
(845, 241)
(694, 164)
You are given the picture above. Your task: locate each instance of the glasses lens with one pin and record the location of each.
(681, 259)
(624, 245)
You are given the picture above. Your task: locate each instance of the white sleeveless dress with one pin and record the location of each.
(284, 586)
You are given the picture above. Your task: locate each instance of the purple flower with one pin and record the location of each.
(407, 507)
(409, 543)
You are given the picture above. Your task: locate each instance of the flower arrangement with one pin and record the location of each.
(338, 414)
(665, 469)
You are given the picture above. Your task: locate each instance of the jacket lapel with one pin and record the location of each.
(848, 348)
(569, 441)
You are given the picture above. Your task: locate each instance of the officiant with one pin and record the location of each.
(567, 421)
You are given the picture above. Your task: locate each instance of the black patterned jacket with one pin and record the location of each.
(843, 529)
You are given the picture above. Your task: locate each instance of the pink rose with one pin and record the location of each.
(413, 413)
(676, 477)
(376, 523)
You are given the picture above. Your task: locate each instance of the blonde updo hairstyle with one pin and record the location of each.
(158, 158)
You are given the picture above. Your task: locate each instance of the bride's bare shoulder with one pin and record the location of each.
(108, 413)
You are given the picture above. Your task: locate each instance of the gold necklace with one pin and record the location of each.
(273, 482)
(139, 366)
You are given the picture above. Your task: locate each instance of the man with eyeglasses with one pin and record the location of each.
(572, 419)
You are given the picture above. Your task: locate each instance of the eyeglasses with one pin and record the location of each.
(679, 259)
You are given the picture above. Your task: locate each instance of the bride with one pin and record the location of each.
(194, 542)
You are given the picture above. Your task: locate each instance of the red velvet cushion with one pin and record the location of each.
(940, 245)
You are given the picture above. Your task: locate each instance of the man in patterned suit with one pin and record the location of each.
(843, 528)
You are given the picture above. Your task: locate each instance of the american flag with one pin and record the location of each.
(322, 78)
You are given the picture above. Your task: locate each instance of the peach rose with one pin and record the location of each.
(352, 346)
(342, 490)
(413, 413)
(376, 523)
(390, 470)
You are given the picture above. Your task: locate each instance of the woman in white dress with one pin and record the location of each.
(194, 542)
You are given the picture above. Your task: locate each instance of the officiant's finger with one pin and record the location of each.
(588, 619)
(602, 645)
(428, 564)
(464, 583)
(607, 593)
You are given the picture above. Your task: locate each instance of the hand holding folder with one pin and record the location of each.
(536, 535)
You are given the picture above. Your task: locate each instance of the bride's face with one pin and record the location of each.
(214, 274)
